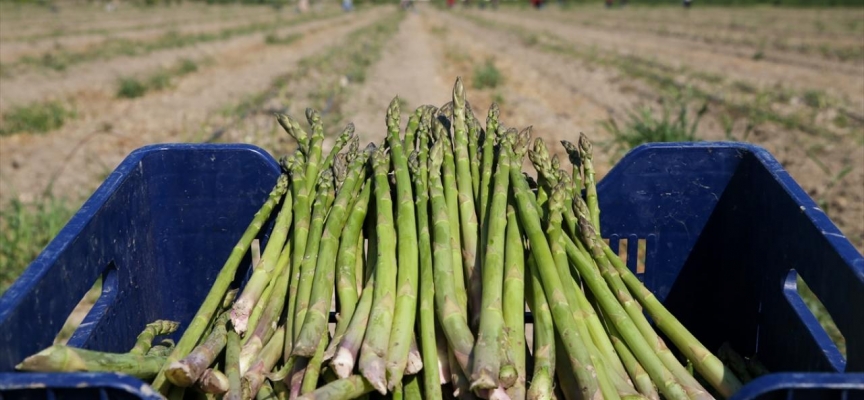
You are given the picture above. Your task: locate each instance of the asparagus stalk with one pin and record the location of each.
(299, 238)
(153, 329)
(315, 323)
(514, 303)
(640, 378)
(411, 388)
(411, 128)
(404, 314)
(263, 273)
(346, 263)
(474, 156)
(295, 131)
(162, 349)
(265, 324)
(565, 324)
(467, 211)
(486, 164)
(220, 286)
(323, 200)
(451, 196)
(374, 348)
(314, 164)
(428, 345)
(453, 321)
(342, 389)
(185, 372)
(213, 381)
(349, 345)
(544, 336)
(61, 358)
(458, 379)
(313, 367)
(232, 366)
(253, 378)
(587, 157)
(344, 138)
(576, 162)
(487, 351)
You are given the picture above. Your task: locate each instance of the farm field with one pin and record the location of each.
(83, 87)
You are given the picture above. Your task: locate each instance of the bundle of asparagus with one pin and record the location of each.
(433, 242)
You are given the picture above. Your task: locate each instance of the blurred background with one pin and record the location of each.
(83, 83)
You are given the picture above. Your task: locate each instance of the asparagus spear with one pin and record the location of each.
(61, 358)
(315, 323)
(153, 329)
(428, 346)
(346, 351)
(474, 156)
(576, 162)
(587, 157)
(220, 286)
(453, 321)
(467, 211)
(313, 367)
(346, 266)
(641, 379)
(544, 336)
(344, 138)
(342, 389)
(265, 324)
(262, 274)
(404, 314)
(162, 349)
(299, 238)
(232, 366)
(514, 302)
(553, 288)
(451, 196)
(486, 164)
(295, 131)
(411, 388)
(314, 164)
(307, 268)
(487, 360)
(186, 371)
(253, 378)
(374, 349)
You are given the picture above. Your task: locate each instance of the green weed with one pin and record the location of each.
(35, 118)
(130, 88)
(25, 229)
(821, 314)
(486, 75)
(273, 38)
(642, 126)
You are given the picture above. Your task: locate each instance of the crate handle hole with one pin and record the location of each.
(798, 293)
(95, 301)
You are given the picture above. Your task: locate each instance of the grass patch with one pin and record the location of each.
(25, 229)
(273, 38)
(642, 126)
(36, 118)
(132, 87)
(486, 75)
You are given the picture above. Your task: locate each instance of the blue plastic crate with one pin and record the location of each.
(725, 230)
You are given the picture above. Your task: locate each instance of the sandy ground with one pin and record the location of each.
(558, 93)
(91, 146)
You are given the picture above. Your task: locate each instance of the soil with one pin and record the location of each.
(556, 93)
